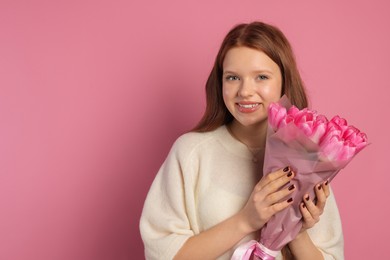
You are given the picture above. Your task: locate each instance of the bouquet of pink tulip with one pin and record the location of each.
(316, 149)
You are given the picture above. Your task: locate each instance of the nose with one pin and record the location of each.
(246, 88)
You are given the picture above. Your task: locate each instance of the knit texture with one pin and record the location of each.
(205, 179)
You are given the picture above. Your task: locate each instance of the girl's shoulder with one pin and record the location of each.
(198, 140)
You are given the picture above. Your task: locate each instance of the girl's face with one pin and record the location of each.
(250, 82)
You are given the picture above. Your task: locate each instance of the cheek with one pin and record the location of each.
(225, 96)
(228, 96)
(272, 91)
(227, 93)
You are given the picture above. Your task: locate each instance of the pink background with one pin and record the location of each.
(93, 94)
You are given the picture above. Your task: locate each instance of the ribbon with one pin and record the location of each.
(245, 251)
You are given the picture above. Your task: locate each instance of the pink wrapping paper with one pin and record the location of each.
(289, 146)
(285, 225)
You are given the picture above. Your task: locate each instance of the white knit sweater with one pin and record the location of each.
(206, 178)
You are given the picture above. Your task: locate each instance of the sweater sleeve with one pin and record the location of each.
(327, 234)
(165, 224)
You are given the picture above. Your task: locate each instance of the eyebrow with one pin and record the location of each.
(256, 72)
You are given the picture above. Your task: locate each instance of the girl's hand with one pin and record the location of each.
(267, 199)
(311, 211)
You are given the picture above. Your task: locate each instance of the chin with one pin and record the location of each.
(254, 123)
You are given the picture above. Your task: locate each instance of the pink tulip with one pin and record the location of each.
(357, 138)
(276, 113)
(293, 110)
(312, 124)
(332, 129)
(331, 147)
(336, 149)
(286, 120)
(348, 151)
(339, 123)
(304, 119)
(319, 128)
(336, 139)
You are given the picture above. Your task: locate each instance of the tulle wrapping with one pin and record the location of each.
(285, 225)
(289, 146)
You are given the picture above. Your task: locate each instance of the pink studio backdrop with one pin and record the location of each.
(93, 94)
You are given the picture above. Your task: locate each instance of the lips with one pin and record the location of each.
(247, 107)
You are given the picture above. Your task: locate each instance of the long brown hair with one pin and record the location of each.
(259, 36)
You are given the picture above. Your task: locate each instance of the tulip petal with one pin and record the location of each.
(276, 113)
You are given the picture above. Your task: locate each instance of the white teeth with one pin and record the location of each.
(248, 106)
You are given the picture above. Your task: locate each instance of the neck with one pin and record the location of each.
(251, 136)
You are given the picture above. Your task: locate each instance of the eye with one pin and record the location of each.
(231, 78)
(263, 77)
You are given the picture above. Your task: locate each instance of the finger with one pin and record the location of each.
(321, 197)
(275, 208)
(279, 195)
(326, 188)
(308, 220)
(271, 177)
(276, 184)
(311, 207)
(305, 213)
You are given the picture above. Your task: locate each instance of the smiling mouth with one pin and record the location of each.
(248, 106)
